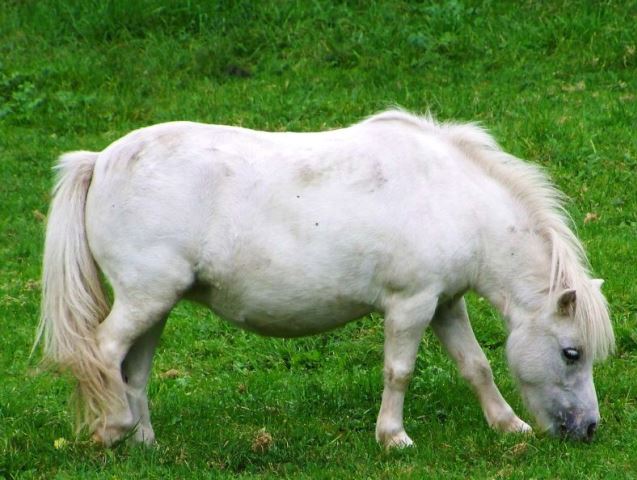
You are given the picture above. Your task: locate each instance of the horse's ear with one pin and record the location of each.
(566, 302)
(597, 282)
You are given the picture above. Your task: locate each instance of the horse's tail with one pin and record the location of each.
(73, 298)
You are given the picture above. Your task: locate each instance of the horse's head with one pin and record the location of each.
(551, 355)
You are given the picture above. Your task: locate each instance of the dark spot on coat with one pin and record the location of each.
(227, 171)
(136, 151)
(374, 179)
(309, 176)
(379, 178)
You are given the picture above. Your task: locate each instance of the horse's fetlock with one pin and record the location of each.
(398, 376)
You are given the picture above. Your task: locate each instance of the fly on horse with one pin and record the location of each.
(290, 234)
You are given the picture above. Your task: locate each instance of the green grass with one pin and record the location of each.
(555, 82)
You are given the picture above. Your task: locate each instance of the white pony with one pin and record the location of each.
(290, 234)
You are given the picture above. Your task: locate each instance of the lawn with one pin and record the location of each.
(555, 82)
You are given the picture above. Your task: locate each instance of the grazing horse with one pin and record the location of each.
(291, 234)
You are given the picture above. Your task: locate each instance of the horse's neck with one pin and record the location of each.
(516, 268)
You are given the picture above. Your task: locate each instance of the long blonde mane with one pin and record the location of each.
(545, 203)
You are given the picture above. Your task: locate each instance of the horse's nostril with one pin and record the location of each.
(590, 431)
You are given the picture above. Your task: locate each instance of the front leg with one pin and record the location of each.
(404, 325)
(451, 325)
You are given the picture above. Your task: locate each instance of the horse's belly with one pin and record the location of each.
(298, 324)
(281, 313)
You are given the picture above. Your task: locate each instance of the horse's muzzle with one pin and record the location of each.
(577, 426)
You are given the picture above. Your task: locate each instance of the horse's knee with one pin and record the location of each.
(398, 376)
(477, 372)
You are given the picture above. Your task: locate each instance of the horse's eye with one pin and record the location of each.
(571, 354)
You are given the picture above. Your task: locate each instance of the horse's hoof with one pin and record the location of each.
(109, 436)
(102, 440)
(524, 427)
(399, 440)
(514, 425)
(144, 436)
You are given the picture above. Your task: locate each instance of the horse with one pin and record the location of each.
(289, 234)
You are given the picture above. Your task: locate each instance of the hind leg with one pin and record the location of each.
(147, 283)
(136, 370)
(123, 329)
(451, 326)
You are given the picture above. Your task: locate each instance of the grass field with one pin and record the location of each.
(556, 83)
